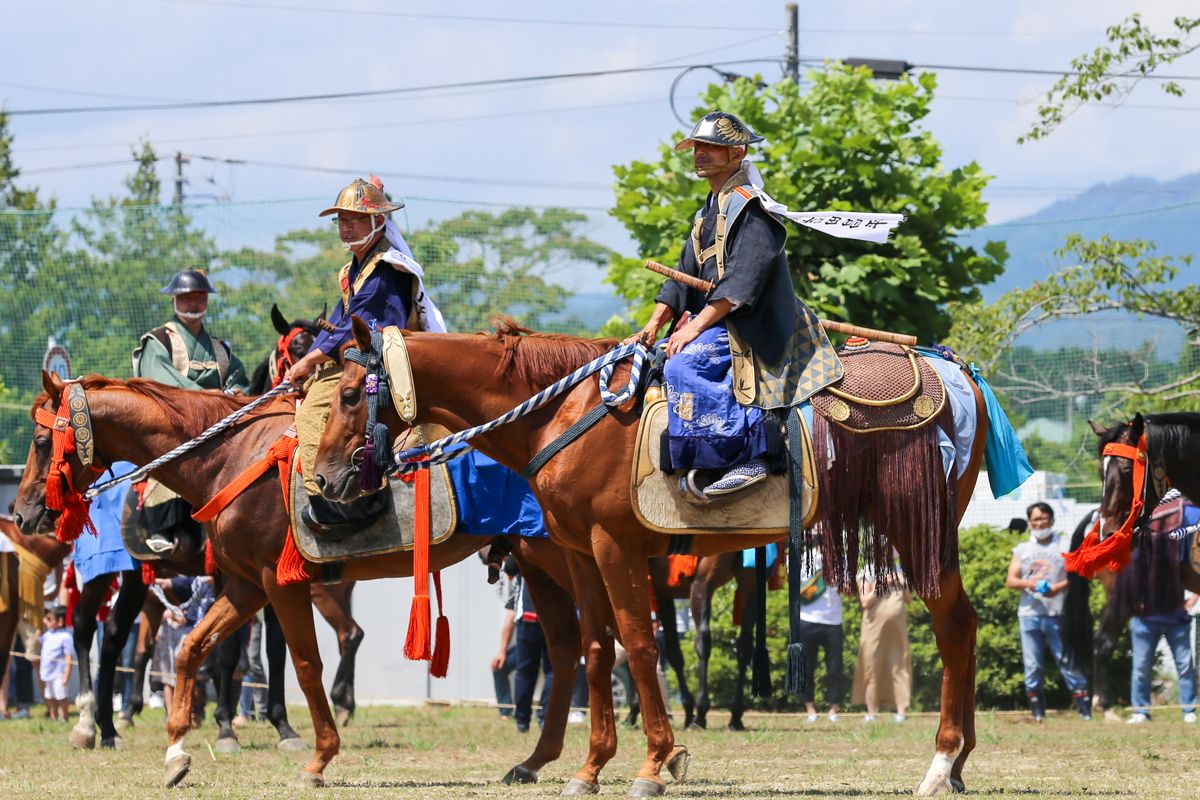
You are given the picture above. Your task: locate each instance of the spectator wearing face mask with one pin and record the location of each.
(1038, 572)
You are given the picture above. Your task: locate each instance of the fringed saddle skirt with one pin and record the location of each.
(391, 533)
(659, 505)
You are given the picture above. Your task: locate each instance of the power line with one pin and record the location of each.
(370, 92)
(81, 93)
(89, 165)
(1015, 70)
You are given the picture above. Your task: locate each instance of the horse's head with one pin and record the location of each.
(1116, 472)
(31, 511)
(346, 442)
(295, 340)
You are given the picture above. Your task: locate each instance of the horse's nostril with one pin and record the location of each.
(319, 479)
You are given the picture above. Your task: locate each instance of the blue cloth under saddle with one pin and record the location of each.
(1007, 465)
(105, 553)
(706, 427)
(493, 500)
(748, 556)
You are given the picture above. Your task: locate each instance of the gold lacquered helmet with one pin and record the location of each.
(363, 197)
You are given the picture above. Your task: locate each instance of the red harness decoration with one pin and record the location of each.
(284, 360)
(1093, 555)
(61, 494)
(291, 566)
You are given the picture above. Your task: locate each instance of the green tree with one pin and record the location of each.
(1109, 73)
(848, 143)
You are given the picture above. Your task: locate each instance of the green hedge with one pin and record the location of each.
(985, 555)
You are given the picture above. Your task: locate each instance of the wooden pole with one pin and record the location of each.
(828, 324)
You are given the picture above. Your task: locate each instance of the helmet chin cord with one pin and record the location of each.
(188, 316)
(360, 242)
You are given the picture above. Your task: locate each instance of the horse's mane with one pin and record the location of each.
(1169, 435)
(540, 359)
(184, 408)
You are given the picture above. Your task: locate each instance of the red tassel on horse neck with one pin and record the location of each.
(416, 645)
(441, 650)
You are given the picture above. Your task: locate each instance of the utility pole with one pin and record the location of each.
(793, 41)
(180, 160)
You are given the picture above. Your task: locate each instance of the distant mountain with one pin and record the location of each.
(1165, 213)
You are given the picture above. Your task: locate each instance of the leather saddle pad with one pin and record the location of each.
(659, 505)
(391, 533)
(886, 387)
(134, 533)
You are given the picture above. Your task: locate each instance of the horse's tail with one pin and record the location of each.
(1077, 614)
(882, 488)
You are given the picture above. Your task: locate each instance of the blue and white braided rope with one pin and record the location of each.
(191, 444)
(434, 452)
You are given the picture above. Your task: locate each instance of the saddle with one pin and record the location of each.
(160, 499)
(659, 505)
(391, 533)
(886, 387)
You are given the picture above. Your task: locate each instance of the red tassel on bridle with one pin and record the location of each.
(61, 494)
(1112, 554)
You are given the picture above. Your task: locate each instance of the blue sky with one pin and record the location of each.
(560, 136)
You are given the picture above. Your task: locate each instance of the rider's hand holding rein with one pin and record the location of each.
(690, 327)
(299, 371)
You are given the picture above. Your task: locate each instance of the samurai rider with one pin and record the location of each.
(748, 346)
(381, 284)
(182, 353)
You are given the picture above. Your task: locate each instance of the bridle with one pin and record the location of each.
(376, 454)
(72, 434)
(1112, 553)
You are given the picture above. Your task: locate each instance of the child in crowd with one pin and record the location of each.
(58, 648)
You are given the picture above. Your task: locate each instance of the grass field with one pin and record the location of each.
(462, 752)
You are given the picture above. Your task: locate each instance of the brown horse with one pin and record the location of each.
(137, 420)
(465, 380)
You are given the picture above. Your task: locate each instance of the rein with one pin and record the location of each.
(1093, 555)
(378, 438)
(424, 456)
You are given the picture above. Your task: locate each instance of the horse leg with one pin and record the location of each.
(711, 573)
(745, 646)
(238, 600)
(276, 648)
(229, 690)
(293, 606)
(1112, 623)
(626, 579)
(143, 653)
(334, 604)
(556, 614)
(83, 735)
(674, 655)
(129, 603)
(954, 626)
(596, 617)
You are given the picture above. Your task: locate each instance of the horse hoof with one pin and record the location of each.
(342, 716)
(307, 780)
(934, 786)
(123, 723)
(176, 770)
(82, 738)
(577, 788)
(645, 787)
(293, 744)
(115, 743)
(227, 745)
(736, 724)
(519, 774)
(677, 763)
(958, 786)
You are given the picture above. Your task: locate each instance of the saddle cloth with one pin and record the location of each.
(391, 533)
(886, 387)
(660, 506)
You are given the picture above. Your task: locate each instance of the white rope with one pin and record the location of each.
(434, 452)
(191, 444)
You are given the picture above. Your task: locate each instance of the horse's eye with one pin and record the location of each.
(41, 442)
(350, 397)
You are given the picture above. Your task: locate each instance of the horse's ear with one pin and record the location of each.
(1138, 424)
(281, 324)
(324, 312)
(362, 333)
(53, 385)
(1097, 429)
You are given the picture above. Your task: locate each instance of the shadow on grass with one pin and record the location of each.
(351, 784)
(709, 788)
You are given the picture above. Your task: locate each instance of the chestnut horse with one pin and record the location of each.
(137, 420)
(462, 380)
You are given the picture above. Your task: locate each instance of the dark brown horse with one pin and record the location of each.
(138, 420)
(466, 380)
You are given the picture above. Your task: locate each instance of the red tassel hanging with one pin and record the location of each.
(210, 560)
(148, 576)
(441, 649)
(1093, 555)
(291, 566)
(416, 645)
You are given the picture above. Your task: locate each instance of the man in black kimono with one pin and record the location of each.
(730, 351)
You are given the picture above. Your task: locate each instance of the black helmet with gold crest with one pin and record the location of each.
(720, 127)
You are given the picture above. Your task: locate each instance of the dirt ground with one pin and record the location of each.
(439, 752)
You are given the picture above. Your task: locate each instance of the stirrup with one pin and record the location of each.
(160, 544)
(692, 492)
